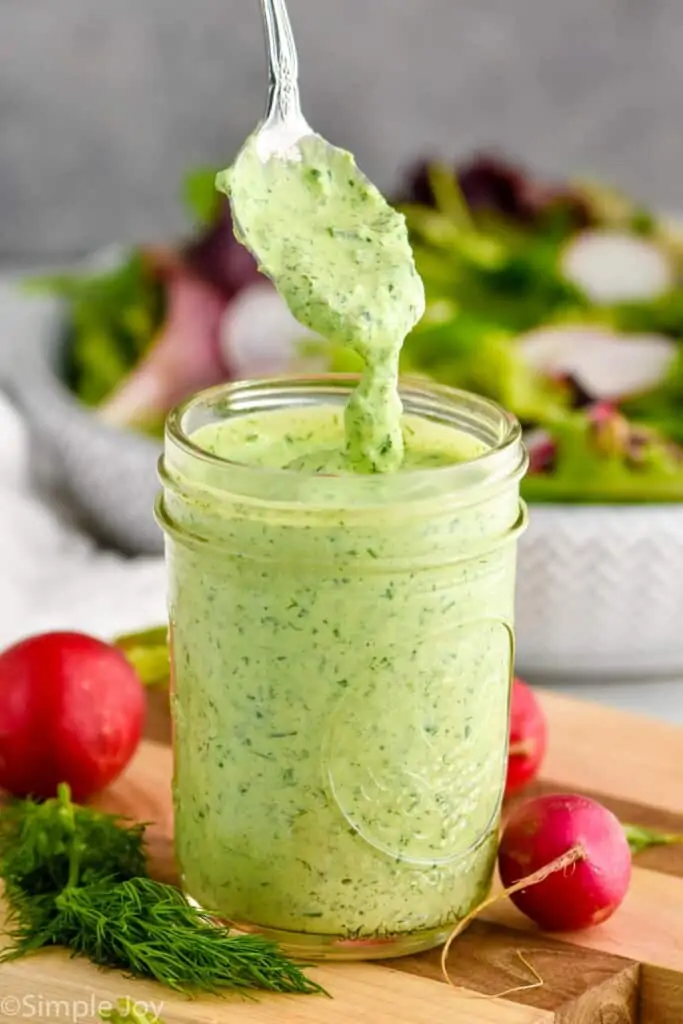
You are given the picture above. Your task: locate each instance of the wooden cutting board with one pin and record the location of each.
(628, 970)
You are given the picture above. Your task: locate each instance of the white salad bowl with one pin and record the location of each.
(600, 588)
(600, 592)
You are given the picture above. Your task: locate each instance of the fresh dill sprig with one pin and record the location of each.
(76, 877)
(38, 842)
(44, 847)
(152, 929)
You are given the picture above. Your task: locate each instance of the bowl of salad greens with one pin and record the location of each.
(111, 346)
(564, 302)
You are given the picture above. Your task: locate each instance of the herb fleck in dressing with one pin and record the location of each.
(341, 666)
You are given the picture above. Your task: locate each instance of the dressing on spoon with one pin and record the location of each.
(340, 257)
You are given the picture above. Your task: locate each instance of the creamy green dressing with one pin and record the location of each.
(340, 257)
(312, 439)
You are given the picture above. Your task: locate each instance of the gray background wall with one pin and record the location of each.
(105, 103)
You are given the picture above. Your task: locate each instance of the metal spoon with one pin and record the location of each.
(284, 126)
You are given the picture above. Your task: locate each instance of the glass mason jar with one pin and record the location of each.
(342, 652)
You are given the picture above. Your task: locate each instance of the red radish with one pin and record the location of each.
(528, 737)
(71, 710)
(587, 892)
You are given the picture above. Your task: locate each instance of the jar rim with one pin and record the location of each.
(504, 458)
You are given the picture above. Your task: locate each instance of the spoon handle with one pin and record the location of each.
(283, 92)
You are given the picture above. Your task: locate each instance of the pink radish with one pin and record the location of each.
(528, 737)
(589, 890)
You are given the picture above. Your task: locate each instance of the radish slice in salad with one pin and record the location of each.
(258, 334)
(612, 266)
(541, 449)
(604, 364)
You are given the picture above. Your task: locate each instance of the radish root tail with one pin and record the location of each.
(536, 983)
(560, 863)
